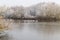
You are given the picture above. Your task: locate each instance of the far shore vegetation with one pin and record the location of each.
(41, 12)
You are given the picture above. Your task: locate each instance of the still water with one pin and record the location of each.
(33, 31)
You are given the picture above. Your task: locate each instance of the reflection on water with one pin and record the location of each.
(34, 31)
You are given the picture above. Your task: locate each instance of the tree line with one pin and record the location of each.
(46, 10)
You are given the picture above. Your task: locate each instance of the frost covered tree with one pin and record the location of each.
(49, 10)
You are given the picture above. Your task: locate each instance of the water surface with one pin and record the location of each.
(33, 31)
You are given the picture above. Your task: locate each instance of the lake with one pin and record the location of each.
(33, 31)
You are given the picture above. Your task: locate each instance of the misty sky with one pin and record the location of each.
(24, 2)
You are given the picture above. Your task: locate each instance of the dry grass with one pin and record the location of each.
(2, 24)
